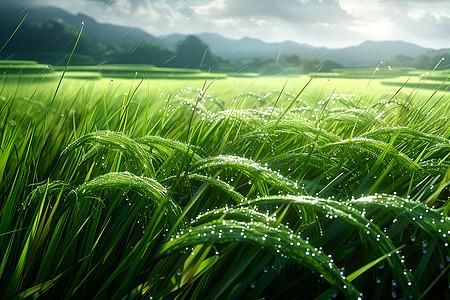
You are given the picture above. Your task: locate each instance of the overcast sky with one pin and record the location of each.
(330, 23)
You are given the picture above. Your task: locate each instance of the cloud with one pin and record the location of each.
(306, 21)
(158, 17)
(290, 11)
(417, 21)
(423, 16)
(430, 25)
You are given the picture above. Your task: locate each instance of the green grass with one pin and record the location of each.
(138, 186)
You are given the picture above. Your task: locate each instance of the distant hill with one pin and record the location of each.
(367, 54)
(246, 48)
(112, 33)
(371, 53)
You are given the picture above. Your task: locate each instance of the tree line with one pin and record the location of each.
(49, 42)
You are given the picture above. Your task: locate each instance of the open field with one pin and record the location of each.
(386, 80)
(132, 182)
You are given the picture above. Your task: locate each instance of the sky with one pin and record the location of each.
(329, 23)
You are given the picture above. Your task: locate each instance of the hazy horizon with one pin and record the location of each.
(319, 23)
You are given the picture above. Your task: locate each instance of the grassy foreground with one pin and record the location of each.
(125, 194)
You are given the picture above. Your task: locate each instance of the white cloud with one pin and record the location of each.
(306, 21)
(123, 6)
(426, 16)
(415, 21)
(295, 11)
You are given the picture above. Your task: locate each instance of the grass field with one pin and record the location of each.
(134, 182)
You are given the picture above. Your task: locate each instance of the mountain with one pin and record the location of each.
(367, 54)
(112, 33)
(171, 41)
(371, 53)
(246, 48)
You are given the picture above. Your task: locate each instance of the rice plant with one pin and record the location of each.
(109, 196)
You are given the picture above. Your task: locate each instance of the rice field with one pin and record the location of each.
(128, 183)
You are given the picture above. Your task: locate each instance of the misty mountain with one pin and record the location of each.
(367, 54)
(112, 33)
(246, 48)
(370, 53)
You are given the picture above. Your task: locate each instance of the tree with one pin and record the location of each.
(50, 41)
(429, 61)
(292, 59)
(330, 64)
(193, 53)
(402, 60)
(307, 64)
(144, 53)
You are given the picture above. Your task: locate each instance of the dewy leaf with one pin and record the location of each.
(47, 189)
(374, 146)
(273, 240)
(251, 169)
(124, 181)
(352, 216)
(164, 145)
(418, 214)
(224, 186)
(403, 132)
(114, 141)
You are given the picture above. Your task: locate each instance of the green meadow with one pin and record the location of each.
(375, 84)
(137, 182)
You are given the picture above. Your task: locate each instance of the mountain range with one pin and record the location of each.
(369, 53)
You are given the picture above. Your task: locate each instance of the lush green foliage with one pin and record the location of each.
(113, 195)
(49, 42)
